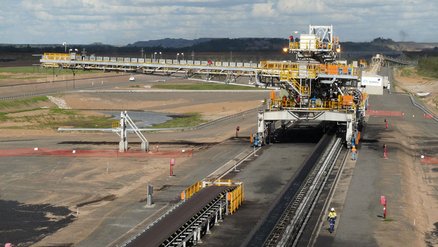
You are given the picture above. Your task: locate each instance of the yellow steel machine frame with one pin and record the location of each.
(316, 87)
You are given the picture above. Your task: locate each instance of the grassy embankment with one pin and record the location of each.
(28, 113)
(428, 67)
(35, 72)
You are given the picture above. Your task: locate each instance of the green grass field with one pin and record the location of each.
(39, 71)
(55, 118)
(202, 86)
(17, 103)
(407, 71)
(428, 66)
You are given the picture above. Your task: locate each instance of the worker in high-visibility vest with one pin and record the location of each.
(332, 219)
(353, 153)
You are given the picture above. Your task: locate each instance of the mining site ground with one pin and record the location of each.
(75, 200)
(72, 200)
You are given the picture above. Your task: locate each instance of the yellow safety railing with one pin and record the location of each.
(56, 56)
(302, 89)
(235, 198)
(191, 190)
(341, 104)
(288, 70)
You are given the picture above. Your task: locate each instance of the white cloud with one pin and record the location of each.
(263, 10)
(122, 22)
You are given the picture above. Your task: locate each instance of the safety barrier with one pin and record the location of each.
(340, 104)
(288, 69)
(56, 56)
(191, 190)
(235, 198)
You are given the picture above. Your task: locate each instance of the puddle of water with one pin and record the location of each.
(142, 119)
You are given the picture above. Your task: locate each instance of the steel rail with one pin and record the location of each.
(289, 227)
(319, 185)
(423, 108)
(288, 216)
(264, 228)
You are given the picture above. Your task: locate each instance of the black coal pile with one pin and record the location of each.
(23, 224)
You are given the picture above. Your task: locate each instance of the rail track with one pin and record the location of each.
(288, 217)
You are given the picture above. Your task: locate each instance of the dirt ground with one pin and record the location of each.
(89, 185)
(418, 201)
(415, 210)
(209, 111)
(93, 183)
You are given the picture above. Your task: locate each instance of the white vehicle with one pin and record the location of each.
(132, 78)
(372, 84)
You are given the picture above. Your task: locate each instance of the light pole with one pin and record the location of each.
(338, 51)
(155, 56)
(74, 79)
(160, 55)
(65, 46)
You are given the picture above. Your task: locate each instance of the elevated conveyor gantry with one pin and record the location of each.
(315, 87)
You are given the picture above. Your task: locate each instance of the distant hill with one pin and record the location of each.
(251, 49)
(219, 45)
(242, 44)
(271, 44)
(169, 43)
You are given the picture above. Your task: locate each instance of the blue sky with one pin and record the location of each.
(123, 22)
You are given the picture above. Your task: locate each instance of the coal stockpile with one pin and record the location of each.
(23, 224)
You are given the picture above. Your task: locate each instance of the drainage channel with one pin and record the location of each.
(287, 218)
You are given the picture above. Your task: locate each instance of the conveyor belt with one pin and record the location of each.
(263, 230)
(161, 231)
